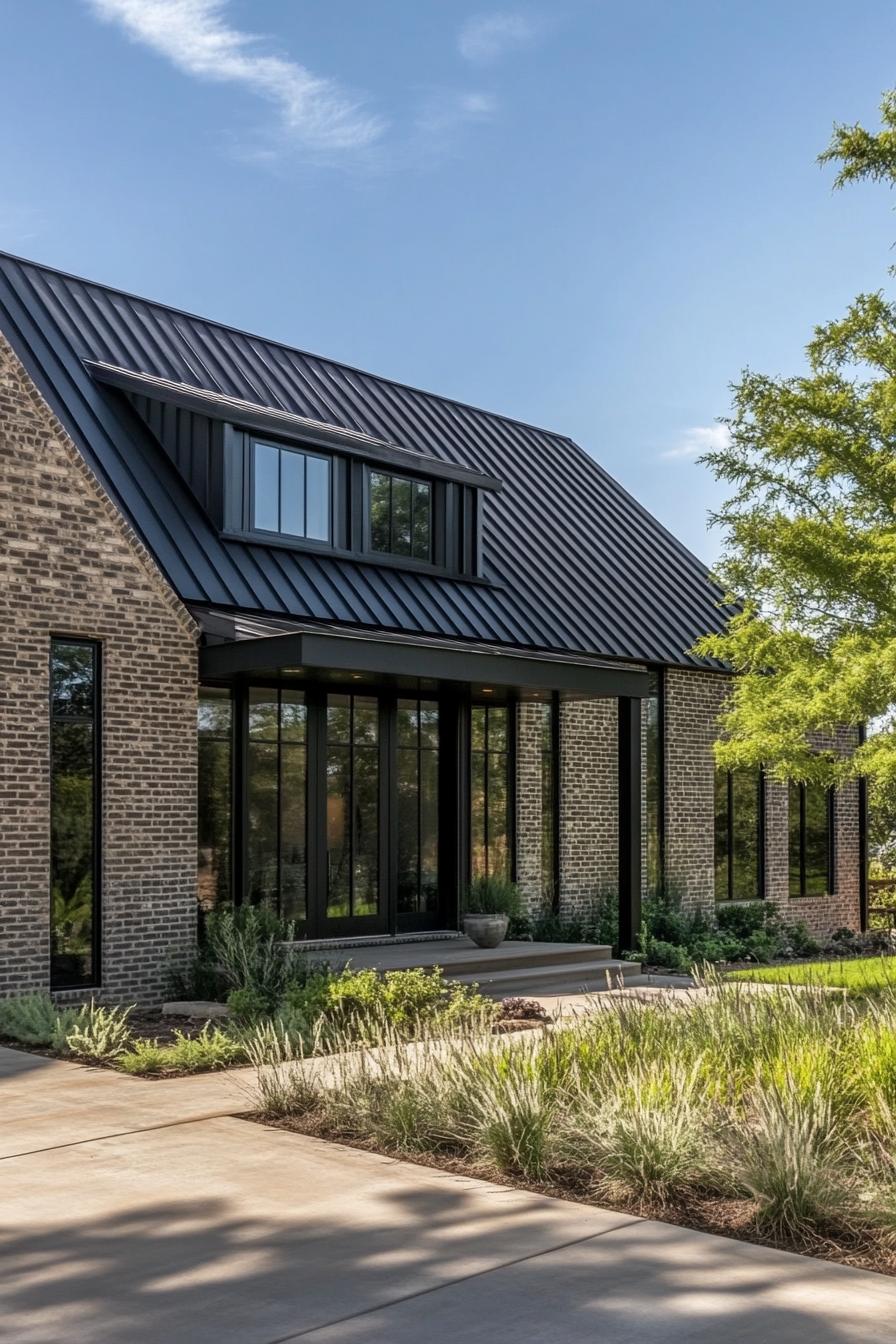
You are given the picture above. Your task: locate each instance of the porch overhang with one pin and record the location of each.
(313, 654)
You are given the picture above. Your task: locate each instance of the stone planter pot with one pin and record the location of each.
(486, 930)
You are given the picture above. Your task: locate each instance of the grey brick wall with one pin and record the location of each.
(589, 817)
(589, 801)
(69, 564)
(529, 804)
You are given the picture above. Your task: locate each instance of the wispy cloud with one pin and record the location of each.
(196, 38)
(487, 37)
(699, 439)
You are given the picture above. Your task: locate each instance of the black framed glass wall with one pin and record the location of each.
(75, 720)
(353, 806)
(810, 839)
(214, 828)
(276, 772)
(417, 806)
(491, 743)
(739, 835)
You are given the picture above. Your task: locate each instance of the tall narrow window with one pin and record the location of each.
(417, 795)
(738, 835)
(290, 492)
(214, 819)
(276, 781)
(353, 782)
(490, 833)
(811, 839)
(74, 813)
(400, 518)
(550, 745)
(653, 778)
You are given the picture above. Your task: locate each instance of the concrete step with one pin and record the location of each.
(579, 977)
(463, 958)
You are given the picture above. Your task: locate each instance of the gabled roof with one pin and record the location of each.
(573, 562)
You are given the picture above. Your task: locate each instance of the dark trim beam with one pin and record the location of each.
(312, 654)
(629, 821)
(284, 424)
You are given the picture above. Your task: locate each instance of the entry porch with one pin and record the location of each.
(360, 782)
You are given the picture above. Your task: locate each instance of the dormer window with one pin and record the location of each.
(291, 492)
(399, 516)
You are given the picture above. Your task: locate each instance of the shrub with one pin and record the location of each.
(98, 1032)
(597, 923)
(670, 955)
(254, 950)
(360, 1003)
(212, 1048)
(33, 1019)
(493, 896)
(523, 1010)
(246, 1006)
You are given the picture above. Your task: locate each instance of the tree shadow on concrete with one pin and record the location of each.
(198, 1271)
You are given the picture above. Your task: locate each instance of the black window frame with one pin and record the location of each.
(801, 894)
(254, 442)
(510, 783)
(732, 896)
(455, 509)
(96, 720)
(371, 470)
(221, 692)
(655, 810)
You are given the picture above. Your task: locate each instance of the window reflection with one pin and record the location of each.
(290, 492)
(215, 725)
(276, 795)
(352, 806)
(417, 753)
(74, 812)
(489, 791)
(400, 516)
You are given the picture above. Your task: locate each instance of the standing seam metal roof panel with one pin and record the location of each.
(576, 564)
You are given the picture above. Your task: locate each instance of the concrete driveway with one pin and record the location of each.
(136, 1212)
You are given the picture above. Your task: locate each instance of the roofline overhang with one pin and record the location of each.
(306, 652)
(268, 420)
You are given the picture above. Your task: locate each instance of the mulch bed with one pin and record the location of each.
(732, 1218)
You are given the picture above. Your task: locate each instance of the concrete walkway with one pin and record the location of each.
(126, 1216)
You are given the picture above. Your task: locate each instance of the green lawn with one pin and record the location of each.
(865, 975)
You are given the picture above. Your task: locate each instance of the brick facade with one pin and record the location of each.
(589, 815)
(70, 565)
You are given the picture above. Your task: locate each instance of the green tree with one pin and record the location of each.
(810, 534)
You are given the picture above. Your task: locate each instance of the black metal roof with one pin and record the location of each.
(575, 563)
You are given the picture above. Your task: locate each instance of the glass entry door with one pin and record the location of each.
(354, 814)
(339, 819)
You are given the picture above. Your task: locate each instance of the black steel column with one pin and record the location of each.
(629, 821)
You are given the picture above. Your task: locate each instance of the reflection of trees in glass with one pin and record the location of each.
(809, 828)
(73, 812)
(547, 727)
(653, 785)
(489, 791)
(400, 516)
(418, 805)
(738, 835)
(276, 796)
(213, 885)
(352, 805)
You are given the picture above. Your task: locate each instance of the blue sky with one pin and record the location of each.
(587, 215)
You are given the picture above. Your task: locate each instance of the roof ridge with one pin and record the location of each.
(293, 349)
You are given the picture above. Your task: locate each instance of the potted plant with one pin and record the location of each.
(490, 902)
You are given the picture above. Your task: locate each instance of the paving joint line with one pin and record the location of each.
(123, 1133)
(452, 1283)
